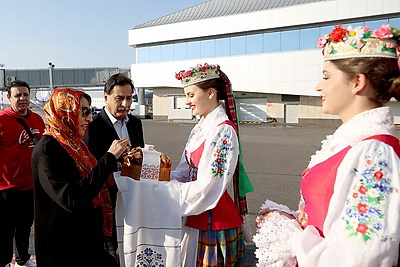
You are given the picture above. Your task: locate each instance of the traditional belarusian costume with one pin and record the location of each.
(349, 212)
(209, 165)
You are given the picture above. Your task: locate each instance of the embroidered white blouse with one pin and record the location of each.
(216, 167)
(362, 226)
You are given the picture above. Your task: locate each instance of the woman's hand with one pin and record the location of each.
(118, 147)
(264, 215)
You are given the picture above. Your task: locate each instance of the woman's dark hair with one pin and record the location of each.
(382, 73)
(87, 97)
(218, 84)
(117, 79)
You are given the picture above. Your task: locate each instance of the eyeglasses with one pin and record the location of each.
(85, 111)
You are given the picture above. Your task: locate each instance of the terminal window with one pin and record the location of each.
(267, 42)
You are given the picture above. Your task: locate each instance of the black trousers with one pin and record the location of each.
(16, 208)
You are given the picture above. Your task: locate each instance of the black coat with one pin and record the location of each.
(67, 231)
(101, 133)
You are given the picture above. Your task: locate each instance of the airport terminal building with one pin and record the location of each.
(266, 47)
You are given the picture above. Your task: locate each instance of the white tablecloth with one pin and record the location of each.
(148, 220)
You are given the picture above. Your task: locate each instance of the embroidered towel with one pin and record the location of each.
(151, 164)
(148, 221)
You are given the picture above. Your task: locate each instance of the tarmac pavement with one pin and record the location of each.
(274, 156)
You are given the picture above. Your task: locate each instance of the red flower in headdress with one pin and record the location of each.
(187, 73)
(338, 33)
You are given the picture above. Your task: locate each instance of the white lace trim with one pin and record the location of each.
(273, 239)
(269, 204)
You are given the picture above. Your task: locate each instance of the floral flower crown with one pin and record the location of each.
(197, 74)
(360, 42)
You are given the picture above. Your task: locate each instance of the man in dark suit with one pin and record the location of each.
(114, 122)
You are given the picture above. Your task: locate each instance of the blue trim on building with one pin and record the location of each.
(268, 42)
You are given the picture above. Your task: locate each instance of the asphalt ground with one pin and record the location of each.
(274, 156)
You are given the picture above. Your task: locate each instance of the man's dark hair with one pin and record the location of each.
(117, 79)
(17, 83)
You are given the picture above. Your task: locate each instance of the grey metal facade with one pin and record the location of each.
(62, 77)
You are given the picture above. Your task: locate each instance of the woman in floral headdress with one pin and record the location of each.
(210, 163)
(349, 212)
(67, 182)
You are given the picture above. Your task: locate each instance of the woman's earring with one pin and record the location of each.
(353, 92)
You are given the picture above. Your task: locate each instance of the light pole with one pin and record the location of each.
(2, 83)
(51, 66)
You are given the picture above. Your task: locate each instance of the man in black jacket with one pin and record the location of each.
(114, 122)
